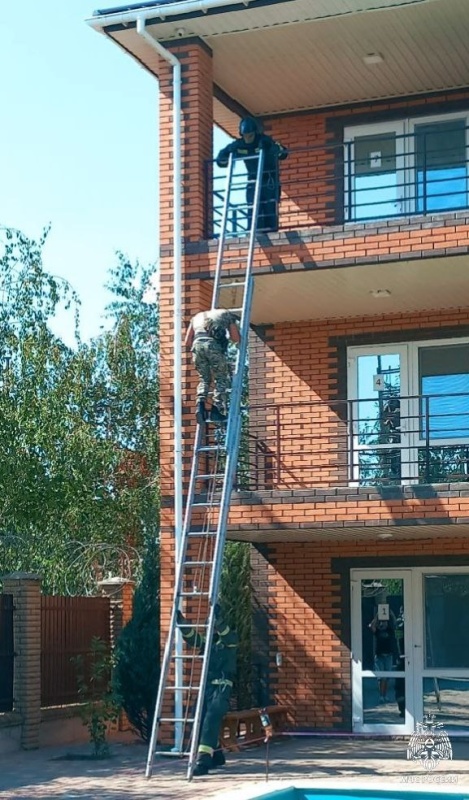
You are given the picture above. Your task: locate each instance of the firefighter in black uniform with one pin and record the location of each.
(250, 144)
(221, 673)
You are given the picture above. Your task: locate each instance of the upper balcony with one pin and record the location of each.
(385, 171)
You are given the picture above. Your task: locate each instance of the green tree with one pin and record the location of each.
(137, 658)
(78, 426)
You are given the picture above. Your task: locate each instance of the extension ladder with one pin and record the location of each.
(183, 675)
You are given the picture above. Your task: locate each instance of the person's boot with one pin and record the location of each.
(201, 413)
(203, 764)
(218, 758)
(217, 416)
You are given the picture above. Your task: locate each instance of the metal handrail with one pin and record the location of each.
(330, 192)
(339, 443)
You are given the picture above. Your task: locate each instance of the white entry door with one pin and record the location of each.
(410, 649)
(382, 668)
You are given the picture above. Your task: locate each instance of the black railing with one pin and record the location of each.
(370, 442)
(373, 177)
(7, 652)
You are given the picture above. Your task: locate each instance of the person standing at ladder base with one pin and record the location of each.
(252, 141)
(221, 673)
(207, 336)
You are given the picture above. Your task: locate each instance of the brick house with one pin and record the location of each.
(354, 491)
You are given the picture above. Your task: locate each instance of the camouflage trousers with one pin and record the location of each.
(212, 365)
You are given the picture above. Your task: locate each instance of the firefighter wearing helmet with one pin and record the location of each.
(250, 143)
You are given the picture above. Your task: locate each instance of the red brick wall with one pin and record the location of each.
(307, 624)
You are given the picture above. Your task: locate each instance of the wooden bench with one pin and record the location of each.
(244, 727)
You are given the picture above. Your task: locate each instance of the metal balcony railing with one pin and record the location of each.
(386, 442)
(373, 177)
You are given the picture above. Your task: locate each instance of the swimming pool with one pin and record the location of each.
(312, 793)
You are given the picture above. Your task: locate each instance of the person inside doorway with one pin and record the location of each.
(384, 650)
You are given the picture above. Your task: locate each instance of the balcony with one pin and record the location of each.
(391, 441)
(381, 175)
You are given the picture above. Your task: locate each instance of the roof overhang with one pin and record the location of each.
(273, 57)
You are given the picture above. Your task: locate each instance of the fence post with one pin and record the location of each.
(26, 591)
(120, 592)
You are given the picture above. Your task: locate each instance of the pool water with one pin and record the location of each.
(294, 793)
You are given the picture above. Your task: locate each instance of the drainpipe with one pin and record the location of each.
(177, 326)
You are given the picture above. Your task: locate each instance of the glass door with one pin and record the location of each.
(375, 172)
(380, 449)
(441, 647)
(382, 677)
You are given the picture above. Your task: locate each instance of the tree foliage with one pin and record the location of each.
(78, 426)
(137, 658)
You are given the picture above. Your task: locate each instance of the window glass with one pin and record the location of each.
(446, 621)
(444, 382)
(441, 168)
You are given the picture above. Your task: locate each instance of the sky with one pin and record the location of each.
(78, 147)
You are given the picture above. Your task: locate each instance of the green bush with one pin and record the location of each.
(137, 658)
(100, 705)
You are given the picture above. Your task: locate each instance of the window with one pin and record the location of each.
(444, 387)
(406, 167)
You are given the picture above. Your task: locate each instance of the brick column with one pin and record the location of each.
(120, 592)
(26, 591)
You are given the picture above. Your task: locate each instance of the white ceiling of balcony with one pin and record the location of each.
(355, 534)
(423, 284)
(305, 54)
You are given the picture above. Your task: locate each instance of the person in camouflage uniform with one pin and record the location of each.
(207, 336)
(221, 673)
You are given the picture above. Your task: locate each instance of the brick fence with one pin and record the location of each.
(26, 726)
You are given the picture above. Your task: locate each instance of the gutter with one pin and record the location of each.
(100, 21)
(177, 323)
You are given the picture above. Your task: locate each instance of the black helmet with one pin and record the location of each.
(248, 125)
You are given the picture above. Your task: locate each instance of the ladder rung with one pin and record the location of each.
(193, 625)
(214, 476)
(187, 658)
(210, 448)
(207, 504)
(194, 594)
(176, 719)
(182, 688)
(202, 533)
(197, 563)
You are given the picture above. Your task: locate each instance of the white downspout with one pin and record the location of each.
(177, 323)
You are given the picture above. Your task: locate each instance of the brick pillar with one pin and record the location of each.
(26, 591)
(120, 592)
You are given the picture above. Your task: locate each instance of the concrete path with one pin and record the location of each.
(46, 774)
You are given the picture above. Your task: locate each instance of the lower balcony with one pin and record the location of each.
(389, 441)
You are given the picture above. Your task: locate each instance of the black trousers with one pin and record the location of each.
(267, 219)
(217, 703)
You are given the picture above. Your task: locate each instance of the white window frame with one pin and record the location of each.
(407, 127)
(410, 408)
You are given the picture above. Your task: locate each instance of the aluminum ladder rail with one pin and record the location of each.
(217, 500)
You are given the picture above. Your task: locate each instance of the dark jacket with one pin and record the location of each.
(222, 662)
(273, 152)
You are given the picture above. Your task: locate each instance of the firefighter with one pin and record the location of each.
(250, 143)
(207, 336)
(221, 673)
